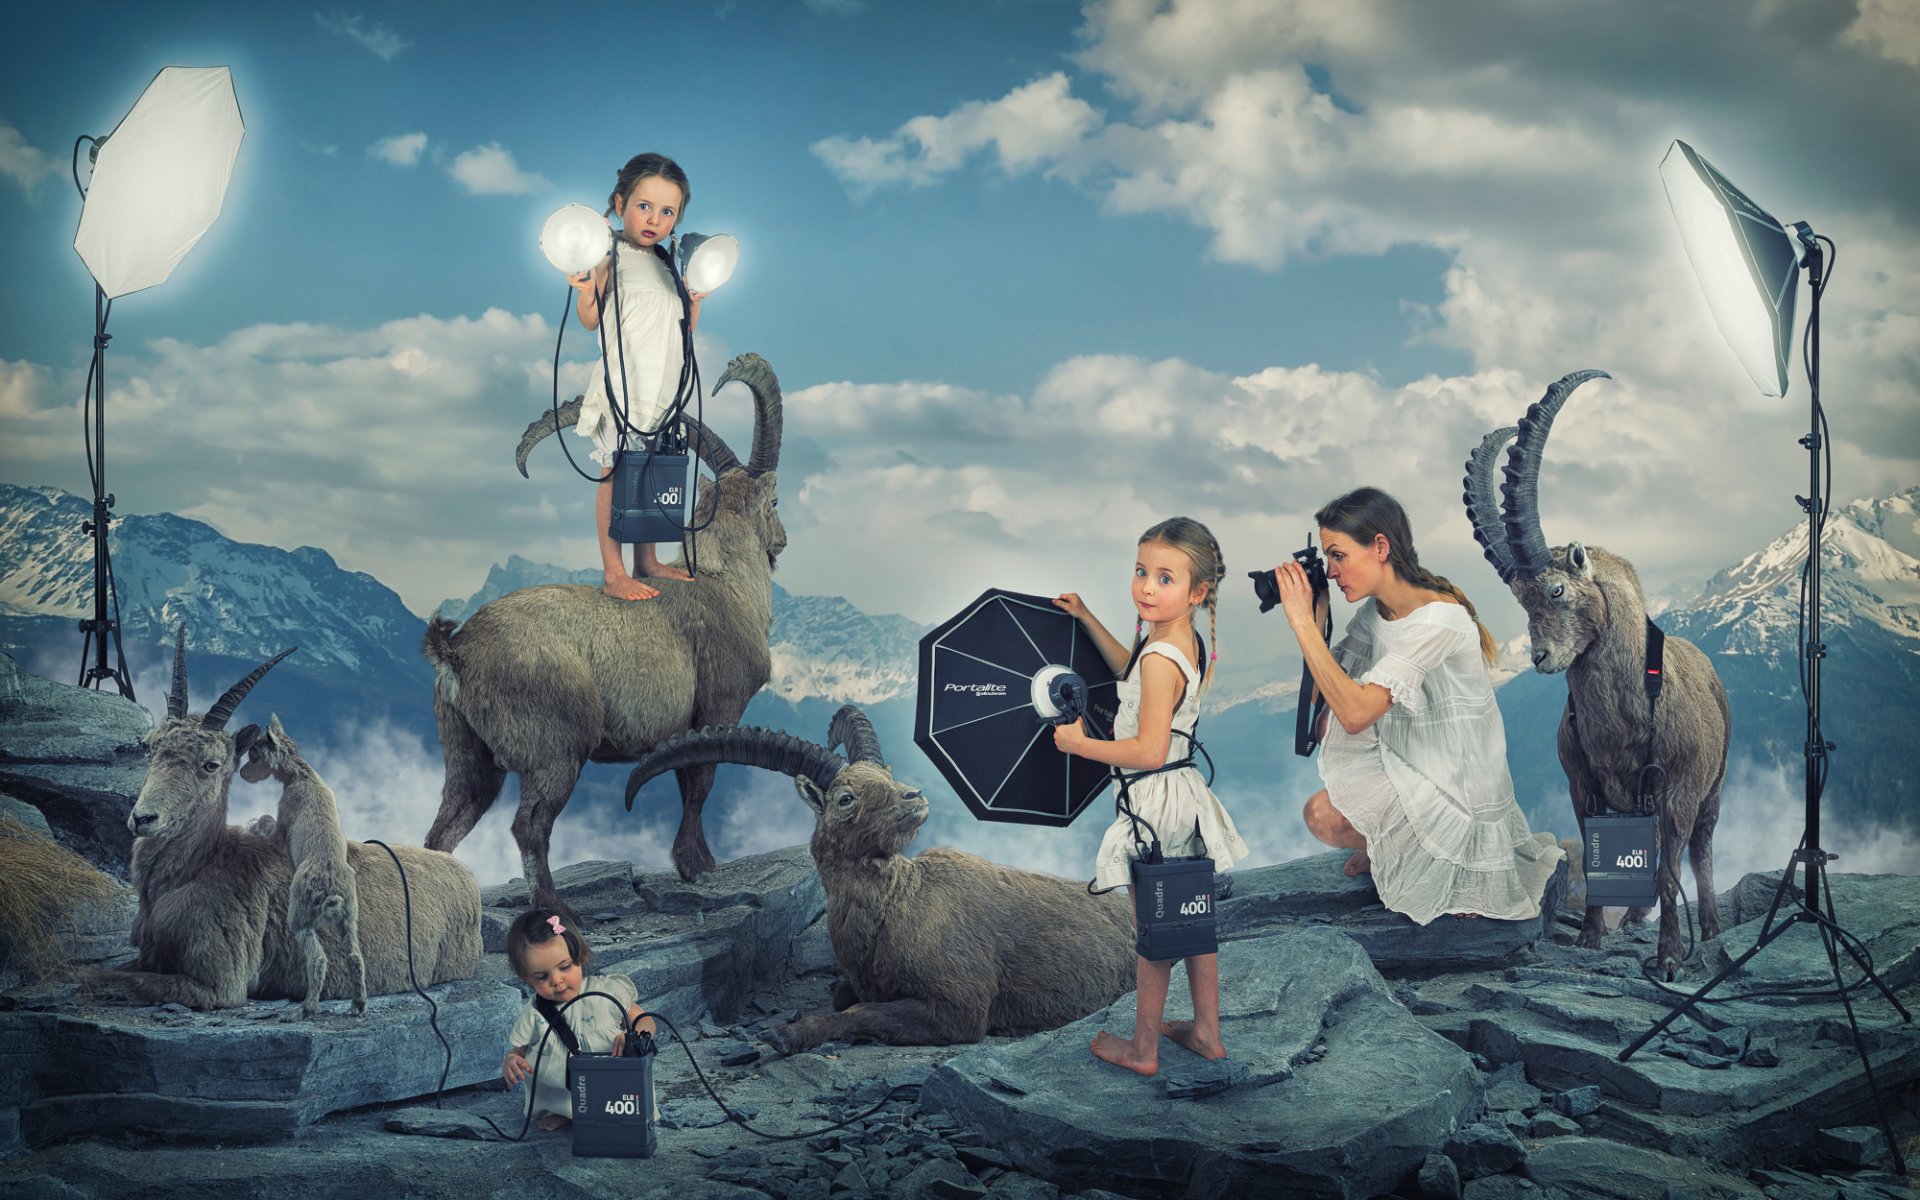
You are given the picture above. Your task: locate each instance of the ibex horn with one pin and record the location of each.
(1520, 503)
(753, 371)
(222, 709)
(850, 728)
(713, 451)
(177, 698)
(569, 416)
(750, 746)
(1483, 506)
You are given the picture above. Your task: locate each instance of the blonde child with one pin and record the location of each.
(552, 960)
(1179, 569)
(645, 360)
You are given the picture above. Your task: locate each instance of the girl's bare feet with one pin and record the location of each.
(1123, 1053)
(548, 1122)
(1358, 865)
(1183, 1033)
(647, 560)
(626, 587)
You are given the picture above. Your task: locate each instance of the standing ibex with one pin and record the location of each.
(940, 948)
(1586, 616)
(545, 678)
(307, 825)
(212, 925)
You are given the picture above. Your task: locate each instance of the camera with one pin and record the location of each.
(1310, 561)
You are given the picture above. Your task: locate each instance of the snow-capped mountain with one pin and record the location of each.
(1870, 558)
(238, 600)
(517, 573)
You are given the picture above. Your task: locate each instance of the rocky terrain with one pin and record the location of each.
(1368, 1057)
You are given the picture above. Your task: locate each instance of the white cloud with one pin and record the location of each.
(1890, 28)
(401, 149)
(1029, 127)
(377, 38)
(22, 163)
(490, 170)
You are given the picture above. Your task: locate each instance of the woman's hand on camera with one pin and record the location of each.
(1075, 607)
(1296, 596)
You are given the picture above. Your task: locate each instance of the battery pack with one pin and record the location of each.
(612, 1105)
(1623, 860)
(1173, 908)
(651, 498)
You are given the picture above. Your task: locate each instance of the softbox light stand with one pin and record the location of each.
(1813, 903)
(103, 626)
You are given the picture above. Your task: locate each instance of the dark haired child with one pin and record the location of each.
(552, 960)
(644, 359)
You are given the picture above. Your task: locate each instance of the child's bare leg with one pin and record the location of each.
(548, 1122)
(647, 565)
(617, 582)
(1202, 1034)
(1142, 1054)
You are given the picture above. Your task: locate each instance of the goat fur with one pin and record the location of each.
(545, 678)
(212, 928)
(307, 826)
(943, 947)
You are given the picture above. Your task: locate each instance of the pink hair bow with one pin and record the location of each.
(557, 926)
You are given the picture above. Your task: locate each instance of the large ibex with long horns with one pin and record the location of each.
(940, 948)
(1587, 616)
(546, 678)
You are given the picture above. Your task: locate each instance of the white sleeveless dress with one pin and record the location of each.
(1427, 784)
(1189, 818)
(650, 312)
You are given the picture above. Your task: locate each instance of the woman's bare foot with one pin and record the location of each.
(1183, 1033)
(1358, 865)
(548, 1122)
(1121, 1053)
(626, 587)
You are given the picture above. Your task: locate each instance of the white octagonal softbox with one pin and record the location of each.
(159, 179)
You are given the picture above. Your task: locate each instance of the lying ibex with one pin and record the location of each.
(545, 678)
(1586, 616)
(940, 948)
(212, 930)
(307, 826)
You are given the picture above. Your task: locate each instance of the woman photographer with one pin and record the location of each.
(1415, 760)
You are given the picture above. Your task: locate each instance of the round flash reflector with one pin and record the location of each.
(707, 260)
(575, 238)
(159, 179)
(1746, 261)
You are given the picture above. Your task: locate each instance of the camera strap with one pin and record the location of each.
(1306, 714)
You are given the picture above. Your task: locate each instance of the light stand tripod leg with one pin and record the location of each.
(1830, 937)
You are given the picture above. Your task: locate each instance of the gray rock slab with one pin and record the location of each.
(1881, 910)
(231, 1076)
(1353, 1120)
(1584, 1166)
(1312, 891)
(78, 756)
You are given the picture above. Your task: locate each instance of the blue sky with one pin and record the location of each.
(1033, 274)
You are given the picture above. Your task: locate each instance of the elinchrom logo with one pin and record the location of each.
(979, 689)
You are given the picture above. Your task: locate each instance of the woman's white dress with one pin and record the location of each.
(649, 312)
(1427, 784)
(1189, 818)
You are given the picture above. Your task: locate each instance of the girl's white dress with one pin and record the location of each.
(1189, 818)
(1427, 784)
(594, 1021)
(650, 311)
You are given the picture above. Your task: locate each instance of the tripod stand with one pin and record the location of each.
(1805, 909)
(102, 626)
